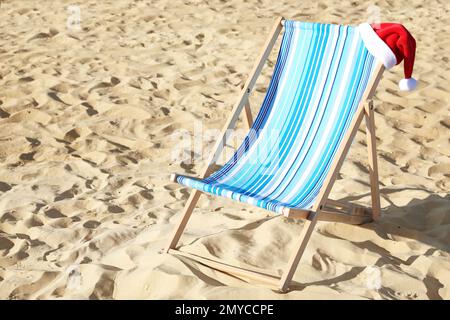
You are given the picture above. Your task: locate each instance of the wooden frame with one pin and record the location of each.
(323, 209)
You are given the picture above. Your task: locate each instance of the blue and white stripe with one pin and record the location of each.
(321, 73)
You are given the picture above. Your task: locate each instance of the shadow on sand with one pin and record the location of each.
(424, 220)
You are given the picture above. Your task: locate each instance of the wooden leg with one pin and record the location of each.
(300, 247)
(248, 115)
(187, 211)
(373, 164)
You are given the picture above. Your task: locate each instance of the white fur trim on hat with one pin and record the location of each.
(407, 84)
(376, 46)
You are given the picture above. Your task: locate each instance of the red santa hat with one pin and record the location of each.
(391, 43)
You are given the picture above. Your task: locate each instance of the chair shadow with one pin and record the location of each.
(419, 220)
(415, 220)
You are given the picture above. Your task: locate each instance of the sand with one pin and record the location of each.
(87, 123)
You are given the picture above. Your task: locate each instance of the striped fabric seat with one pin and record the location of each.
(321, 73)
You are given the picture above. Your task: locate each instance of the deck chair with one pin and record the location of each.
(320, 91)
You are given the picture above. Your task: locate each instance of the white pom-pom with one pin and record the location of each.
(407, 84)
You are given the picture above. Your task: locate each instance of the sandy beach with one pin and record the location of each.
(88, 119)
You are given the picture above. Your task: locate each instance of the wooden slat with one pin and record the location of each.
(335, 203)
(361, 211)
(357, 217)
(185, 215)
(347, 208)
(248, 115)
(299, 248)
(350, 215)
(373, 163)
(296, 213)
(263, 277)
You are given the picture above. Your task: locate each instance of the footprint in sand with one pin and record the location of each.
(4, 114)
(33, 142)
(44, 35)
(445, 122)
(135, 83)
(183, 84)
(4, 187)
(6, 244)
(68, 194)
(29, 156)
(115, 209)
(441, 168)
(34, 221)
(26, 79)
(31, 242)
(71, 135)
(61, 87)
(165, 111)
(54, 214)
(91, 224)
(146, 194)
(162, 94)
(55, 97)
(113, 82)
(90, 109)
(323, 262)
(30, 115)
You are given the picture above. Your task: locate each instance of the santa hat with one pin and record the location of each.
(391, 43)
